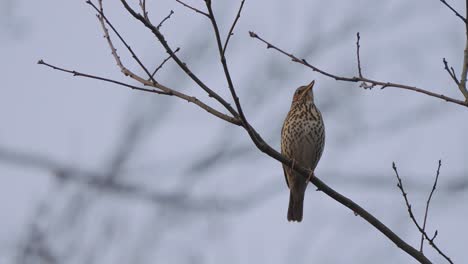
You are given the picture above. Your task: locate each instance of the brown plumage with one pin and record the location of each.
(302, 140)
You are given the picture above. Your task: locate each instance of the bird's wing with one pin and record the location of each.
(282, 151)
(285, 175)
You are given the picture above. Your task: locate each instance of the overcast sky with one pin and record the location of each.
(170, 147)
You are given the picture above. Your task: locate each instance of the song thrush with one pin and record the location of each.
(302, 140)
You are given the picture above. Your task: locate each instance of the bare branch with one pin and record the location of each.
(165, 91)
(233, 26)
(166, 18)
(359, 79)
(427, 205)
(224, 63)
(143, 8)
(163, 62)
(153, 82)
(256, 138)
(462, 85)
(76, 73)
(182, 65)
(358, 55)
(451, 72)
(410, 212)
(103, 19)
(193, 8)
(454, 11)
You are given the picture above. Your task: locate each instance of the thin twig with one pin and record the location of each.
(358, 55)
(233, 26)
(223, 60)
(454, 11)
(165, 91)
(358, 37)
(427, 205)
(181, 64)
(410, 212)
(163, 62)
(451, 72)
(166, 18)
(193, 8)
(256, 138)
(143, 8)
(153, 82)
(462, 85)
(102, 18)
(358, 79)
(76, 73)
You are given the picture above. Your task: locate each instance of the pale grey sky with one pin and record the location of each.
(177, 148)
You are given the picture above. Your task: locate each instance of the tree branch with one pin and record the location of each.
(462, 85)
(166, 18)
(451, 72)
(410, 212)
(233, 26)
(224, 64)
(427, 204)
(163, 62)
(143, 8)
(165, 91)
(76, 73)
(372, 82)
(454, 11)
(182, 65)
(193, 8)
(103, 19)
(358, 55)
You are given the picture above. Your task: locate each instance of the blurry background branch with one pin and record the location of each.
(108, 183)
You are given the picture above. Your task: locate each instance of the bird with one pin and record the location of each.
(303, 141)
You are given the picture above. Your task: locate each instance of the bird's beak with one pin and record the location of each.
(308, 87)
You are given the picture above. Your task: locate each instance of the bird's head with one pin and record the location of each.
(304, 94)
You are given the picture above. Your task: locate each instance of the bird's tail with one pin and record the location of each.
(296, 203)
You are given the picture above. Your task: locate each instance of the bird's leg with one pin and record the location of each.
(293, 163)
(311, 174)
